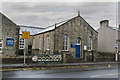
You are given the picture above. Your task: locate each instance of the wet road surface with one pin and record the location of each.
(63, 73)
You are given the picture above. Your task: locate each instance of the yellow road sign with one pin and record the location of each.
(25, 35)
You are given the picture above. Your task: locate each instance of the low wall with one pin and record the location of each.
(105, 57)
(16, 60)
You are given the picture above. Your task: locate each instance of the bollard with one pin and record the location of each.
(108, 65)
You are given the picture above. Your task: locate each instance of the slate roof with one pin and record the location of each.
(32, 30)
(53, 27)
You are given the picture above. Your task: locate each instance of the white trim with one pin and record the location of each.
(34, 43)
(23, 43)
(89, 46)
(48, 43)
(65, 50)
(65, 41)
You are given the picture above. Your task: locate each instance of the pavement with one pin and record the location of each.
(108, 64)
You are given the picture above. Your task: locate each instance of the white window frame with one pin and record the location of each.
(20, 43)
(39, 42)
(34, 43)
(2, 45)
(48, 42)
(89, 43)
(65, 43)
(77, 40)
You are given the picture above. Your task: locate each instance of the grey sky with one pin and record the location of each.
(45, 14)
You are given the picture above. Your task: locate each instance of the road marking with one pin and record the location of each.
(68, 67)
(58, 67)
(43, 68)
(105, 75)
(9, 69)
(24, 69)
(84, 66)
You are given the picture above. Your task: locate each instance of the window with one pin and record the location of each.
(78, 41)
(39, 42)
(0, 45)
(89, 43)
(65, 42)
(48, 42)
(34, 43)
(21, 45)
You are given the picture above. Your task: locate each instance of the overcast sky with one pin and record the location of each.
(44, 14)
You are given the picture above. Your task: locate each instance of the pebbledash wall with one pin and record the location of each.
(9, 31)
(107, 37)
(58, 38)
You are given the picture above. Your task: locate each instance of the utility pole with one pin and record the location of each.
(24, 51)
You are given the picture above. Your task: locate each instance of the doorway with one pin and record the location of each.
(78, 51)
(29, 49)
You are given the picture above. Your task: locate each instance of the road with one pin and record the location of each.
(63, 72)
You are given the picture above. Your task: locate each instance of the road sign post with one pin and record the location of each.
(25, 35)
(116, 55)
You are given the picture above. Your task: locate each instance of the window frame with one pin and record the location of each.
(48, 42)
(65, 42)
(34, 43)
(89, 43)
(40, 42)
(23, 40)
(1, 42)
(78, 38)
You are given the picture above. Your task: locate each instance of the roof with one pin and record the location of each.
(32, 30)
(50, 28)
(53, 26)
(111, 27)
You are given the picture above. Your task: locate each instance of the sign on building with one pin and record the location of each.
(25, 35)
(10, 42)
(116, 45)
(73, 45)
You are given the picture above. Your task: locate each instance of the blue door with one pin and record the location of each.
(78, 51)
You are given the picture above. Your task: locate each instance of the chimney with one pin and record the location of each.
(78, 13)
(104, 23)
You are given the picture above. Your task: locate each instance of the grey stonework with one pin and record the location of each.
(74, 28)
(9, 30)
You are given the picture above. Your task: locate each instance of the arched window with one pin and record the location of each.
(78, 41)
(48, 42)
(34, 43)
(89, 43)
(39, 42)
(65, 42)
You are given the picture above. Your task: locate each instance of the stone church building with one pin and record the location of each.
(74, 38)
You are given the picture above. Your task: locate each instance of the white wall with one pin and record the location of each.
(106, 39)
